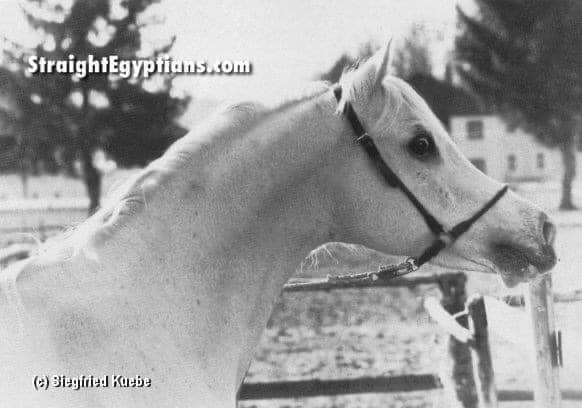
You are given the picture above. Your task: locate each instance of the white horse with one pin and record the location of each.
(174, 279)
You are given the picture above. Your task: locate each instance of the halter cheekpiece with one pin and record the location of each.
(443, 238)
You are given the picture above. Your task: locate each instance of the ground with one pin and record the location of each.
(384, 331)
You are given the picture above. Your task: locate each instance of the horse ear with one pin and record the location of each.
(383, 60)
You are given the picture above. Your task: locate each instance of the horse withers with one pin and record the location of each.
(174, 279)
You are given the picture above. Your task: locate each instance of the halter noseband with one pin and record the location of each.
(443, 238)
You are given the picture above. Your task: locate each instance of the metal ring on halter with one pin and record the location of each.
(412, 263)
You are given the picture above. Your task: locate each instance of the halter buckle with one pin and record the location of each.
(412, 264)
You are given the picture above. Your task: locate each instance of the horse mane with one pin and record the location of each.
(128, 199)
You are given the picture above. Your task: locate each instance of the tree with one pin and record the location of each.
(131, 119)
(413, 57)
(524, 58)
(414, 63)
(345, 61)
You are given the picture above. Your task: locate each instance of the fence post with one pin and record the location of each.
(481, 353)
(457, 376)
(540, 303)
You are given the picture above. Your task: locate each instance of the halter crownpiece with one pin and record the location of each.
(443, 238)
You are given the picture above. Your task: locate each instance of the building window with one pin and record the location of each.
(7, 142)
(475, 129)
(541, 161)
(480, 164)
(511, 162)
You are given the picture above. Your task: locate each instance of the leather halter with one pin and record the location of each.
(443, 238)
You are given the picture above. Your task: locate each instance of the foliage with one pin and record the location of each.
(413, 57)
(346, 61)
(410, 58)
(524, 58)
(131, 119)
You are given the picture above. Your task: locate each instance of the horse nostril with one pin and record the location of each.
(549, 232)
(516, 256)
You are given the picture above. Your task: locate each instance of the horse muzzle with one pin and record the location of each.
(519, 261)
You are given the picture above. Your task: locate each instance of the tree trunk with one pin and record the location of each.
(24, 178)
(92, 179)
(91, 175)
(69, 164)
(569, 160)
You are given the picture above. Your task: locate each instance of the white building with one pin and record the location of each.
(505, 155)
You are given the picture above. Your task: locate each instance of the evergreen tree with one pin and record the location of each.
(524, 58)
(413, 57)
(346, 61)
(131, 119)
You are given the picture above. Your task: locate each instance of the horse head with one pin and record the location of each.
(429, 191)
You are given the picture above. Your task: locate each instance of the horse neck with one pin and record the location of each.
(242, 228)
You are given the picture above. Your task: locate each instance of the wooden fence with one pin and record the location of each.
(15, 253)
(470, 378)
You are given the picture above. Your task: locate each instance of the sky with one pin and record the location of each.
(288, 42)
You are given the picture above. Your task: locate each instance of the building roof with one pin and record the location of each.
(445, 98)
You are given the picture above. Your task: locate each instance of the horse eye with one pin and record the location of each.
(422, 144)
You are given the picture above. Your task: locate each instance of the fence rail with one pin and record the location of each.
(369, 385)
(323, 284)
(322, 388)
(559, 297)
(14, 253)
